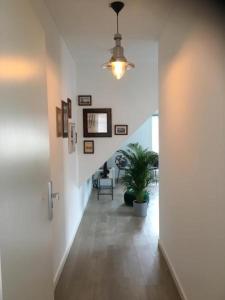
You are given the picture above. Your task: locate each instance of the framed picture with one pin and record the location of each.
(84, 100)
(58, 122)
(97, 122)
(76, 138)
(88, 147)
(71, 137)
(64, 119)
(121, 129)
(69, 102)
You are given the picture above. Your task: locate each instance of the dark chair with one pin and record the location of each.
(121, 163)
(105, 185)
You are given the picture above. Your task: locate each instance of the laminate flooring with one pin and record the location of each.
(115, 255)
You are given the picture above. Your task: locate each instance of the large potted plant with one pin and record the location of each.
(138, 175)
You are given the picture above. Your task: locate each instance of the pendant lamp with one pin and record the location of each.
(118, 63)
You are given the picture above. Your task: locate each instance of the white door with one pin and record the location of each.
(25, 231)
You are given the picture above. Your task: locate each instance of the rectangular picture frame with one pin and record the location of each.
(76, 138)
(69, 102)
(84, 100)
(121, 129)
(59, 132)
(71, 137)
(89, 147)
(64, 119)
(86, 122)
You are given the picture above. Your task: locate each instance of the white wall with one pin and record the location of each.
(143, 135)
(192, 147)
(133, 99)
(61, 84)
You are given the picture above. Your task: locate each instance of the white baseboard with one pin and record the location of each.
(66, 253)
(172, 272)
(63, 260)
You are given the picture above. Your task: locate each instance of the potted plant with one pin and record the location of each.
(138, 175)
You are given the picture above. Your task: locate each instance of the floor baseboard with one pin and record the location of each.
(64, 258)
(67, 251)
(172, 272)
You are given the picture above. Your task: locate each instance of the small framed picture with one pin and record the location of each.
(84, 100)
(75, 137)
(64, 119)
(71, 137)
(88, 147)
(69, 102)
(58, 122)
(121, 129)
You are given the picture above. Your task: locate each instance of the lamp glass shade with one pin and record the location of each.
(118, 68)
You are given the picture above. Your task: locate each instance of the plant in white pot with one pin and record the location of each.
(138, 175)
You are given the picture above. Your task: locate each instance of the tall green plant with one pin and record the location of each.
(138, 173)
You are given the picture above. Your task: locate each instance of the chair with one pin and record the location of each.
(121, 163)
(97, 175)
(105, 184)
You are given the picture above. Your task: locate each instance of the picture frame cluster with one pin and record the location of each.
(64, 126)
(97, 123)
(94, 119)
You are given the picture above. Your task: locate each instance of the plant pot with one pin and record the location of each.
(140, 209)
(129, 197)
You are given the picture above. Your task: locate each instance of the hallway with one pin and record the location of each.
(115, 255)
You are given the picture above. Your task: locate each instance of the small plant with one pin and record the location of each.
(138, 173)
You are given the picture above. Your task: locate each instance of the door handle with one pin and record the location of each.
(51, 197)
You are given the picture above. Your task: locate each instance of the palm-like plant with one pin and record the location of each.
(138, 173)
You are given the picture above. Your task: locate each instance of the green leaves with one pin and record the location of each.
(138, 173)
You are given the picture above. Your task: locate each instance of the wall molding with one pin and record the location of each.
(172, 271)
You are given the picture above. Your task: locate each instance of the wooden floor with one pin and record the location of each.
(115, 255)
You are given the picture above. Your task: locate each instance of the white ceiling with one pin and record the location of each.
(88, 26)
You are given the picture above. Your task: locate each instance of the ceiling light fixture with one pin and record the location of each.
(118, 63)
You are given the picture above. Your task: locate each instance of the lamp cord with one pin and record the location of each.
(117, 23)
